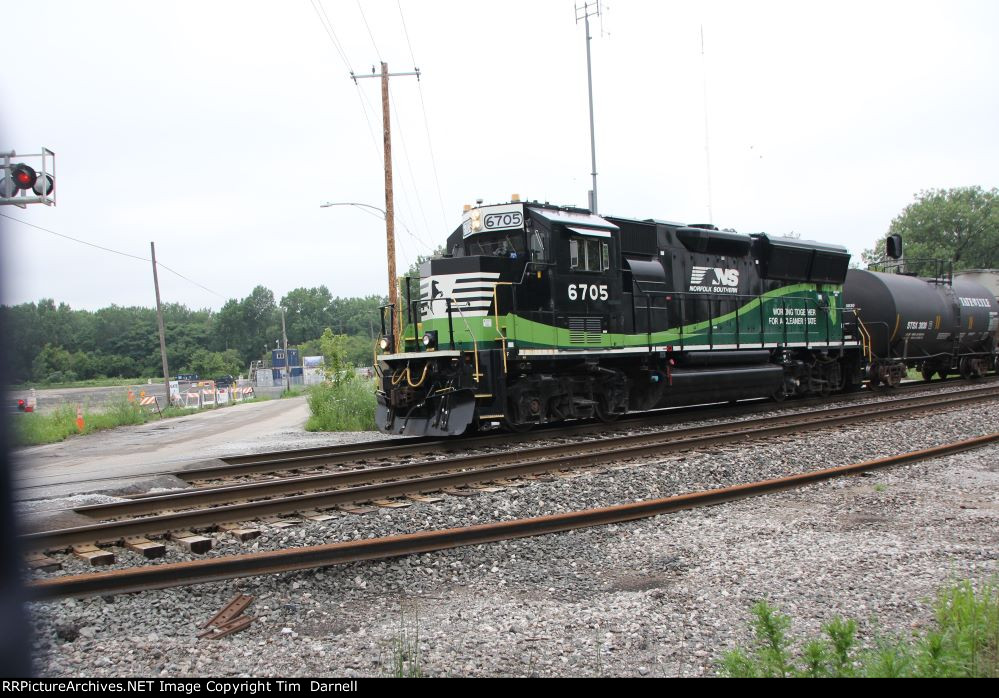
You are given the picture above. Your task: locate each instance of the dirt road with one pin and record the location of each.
(117, 457)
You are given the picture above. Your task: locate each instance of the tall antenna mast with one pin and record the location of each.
(707, 149)
(584, 13)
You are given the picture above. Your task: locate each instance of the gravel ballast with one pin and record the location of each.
(663, 596)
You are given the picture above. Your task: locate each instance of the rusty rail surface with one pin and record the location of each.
(437, 475)
(272, 562)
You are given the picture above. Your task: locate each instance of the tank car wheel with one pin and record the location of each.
(927, 373)
(779, 395)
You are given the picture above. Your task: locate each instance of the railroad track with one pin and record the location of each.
(303, 459)
(199, 508)
(229, 567)
(310, 459)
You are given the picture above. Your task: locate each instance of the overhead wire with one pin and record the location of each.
(409, 167)
(426, 121)
(327, 23)
(372, 36)
(113, 251)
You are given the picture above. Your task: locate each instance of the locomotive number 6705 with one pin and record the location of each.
(593, 292)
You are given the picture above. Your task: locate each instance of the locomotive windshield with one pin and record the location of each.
(500, 244)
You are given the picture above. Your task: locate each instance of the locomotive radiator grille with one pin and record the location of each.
(585, 330)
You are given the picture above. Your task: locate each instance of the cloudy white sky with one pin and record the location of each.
(217, 128)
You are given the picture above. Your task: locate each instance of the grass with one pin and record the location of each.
(406, 650)
(347, 406)
(90, 383)
(963, 642)
(36, 428)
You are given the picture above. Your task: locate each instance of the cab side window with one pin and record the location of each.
(588, 255)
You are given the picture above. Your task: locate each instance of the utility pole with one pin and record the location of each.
(393, 294)
(287, 361)
(159, 320)
(588, 9)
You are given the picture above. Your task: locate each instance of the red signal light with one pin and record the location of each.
(24, 177)
(21, 405)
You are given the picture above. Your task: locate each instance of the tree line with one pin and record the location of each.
(51, 343)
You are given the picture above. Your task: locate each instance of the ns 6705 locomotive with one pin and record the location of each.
(540, 313)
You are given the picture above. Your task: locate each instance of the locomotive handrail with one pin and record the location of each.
(475, 344)
(502, 337)
(680, 297)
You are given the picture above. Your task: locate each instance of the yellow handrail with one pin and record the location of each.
(501, 337)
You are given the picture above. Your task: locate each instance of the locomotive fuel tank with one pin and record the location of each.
(909, 317)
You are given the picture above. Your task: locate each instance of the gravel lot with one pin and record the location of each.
(664, 596)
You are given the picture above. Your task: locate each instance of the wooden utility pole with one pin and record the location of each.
(393, 294)
(287, 362)
(159, 320)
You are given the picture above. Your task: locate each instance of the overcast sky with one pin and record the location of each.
(217, 128)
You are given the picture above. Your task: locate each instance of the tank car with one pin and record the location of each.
(939, 324)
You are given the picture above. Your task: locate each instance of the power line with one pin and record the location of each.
(108, 249)
(327, 23)
(409, 167)
(426, 122)
(82, 242)
(365, 20)
(317, 5)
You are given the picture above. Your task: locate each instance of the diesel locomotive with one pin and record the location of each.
(539, 313)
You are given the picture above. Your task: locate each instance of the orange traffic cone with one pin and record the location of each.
(79, 418)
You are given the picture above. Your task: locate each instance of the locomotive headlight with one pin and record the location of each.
(383, 343)
(476, 220)
(430, 339)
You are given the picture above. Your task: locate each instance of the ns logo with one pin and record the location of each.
(714, 279)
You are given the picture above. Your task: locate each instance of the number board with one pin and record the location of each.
(507, 217)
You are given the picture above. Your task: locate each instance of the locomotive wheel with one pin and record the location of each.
(603, 414)
(516, 428)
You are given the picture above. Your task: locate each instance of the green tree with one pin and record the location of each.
(958, 225)
(309, 311)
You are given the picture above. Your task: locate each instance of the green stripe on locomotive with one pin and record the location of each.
(792, 314)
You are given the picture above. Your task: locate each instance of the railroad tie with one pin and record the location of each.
(39, 561)
(193, 543)
(89, 552)
(239, 532)
(145, 547)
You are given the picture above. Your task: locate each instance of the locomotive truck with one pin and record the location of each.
(539, 313)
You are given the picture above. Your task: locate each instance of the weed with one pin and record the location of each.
(406, 650)
(345, 406)
(963, 643)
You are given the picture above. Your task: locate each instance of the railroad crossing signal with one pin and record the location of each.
(17, 179)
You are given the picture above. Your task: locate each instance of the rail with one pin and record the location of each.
(272, 562)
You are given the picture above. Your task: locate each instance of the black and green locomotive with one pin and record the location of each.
(539, 313)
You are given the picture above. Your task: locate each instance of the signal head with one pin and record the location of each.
(24, 177)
